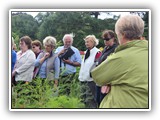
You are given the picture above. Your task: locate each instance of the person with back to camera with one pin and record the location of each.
(126, 70)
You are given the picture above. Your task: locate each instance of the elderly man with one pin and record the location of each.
(126, 71)
(70, 58)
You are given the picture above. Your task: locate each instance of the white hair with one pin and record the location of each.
(71, 35)
(132, 26)
(49, 40)
(93, 38)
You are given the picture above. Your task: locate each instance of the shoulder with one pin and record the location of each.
(13, 52)
(19, 52)
(30, 52)
(96, 49)
(74, 49)
(59, 48)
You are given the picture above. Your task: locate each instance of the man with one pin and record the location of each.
(70, 58)
(126, 70)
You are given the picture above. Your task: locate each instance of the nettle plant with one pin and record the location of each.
(45, 95)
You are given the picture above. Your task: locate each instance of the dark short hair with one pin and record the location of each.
(108, 34)
(27, 40)
(37, 43)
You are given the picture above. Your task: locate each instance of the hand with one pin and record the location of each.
(67, 61)
(55, 84)
(46, 55)
(62, 51)
(105, 89)
(13, 73)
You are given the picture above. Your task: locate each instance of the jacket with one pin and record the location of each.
(24, 66)
(126, 70)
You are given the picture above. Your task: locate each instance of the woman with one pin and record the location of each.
(88, 63)
(23, 70)
(110, 43)
(37, 47)
(48, 61)
(126, 71)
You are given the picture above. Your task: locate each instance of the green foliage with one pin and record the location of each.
(24, 24)
(38, 94)
(64, 102)
(59, 23)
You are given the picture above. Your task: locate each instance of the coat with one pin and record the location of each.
(24, 66)
(126, 70)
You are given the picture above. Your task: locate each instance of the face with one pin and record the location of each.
(67, 42)
(48, 48)
(109, 42)
(89, 43)
(35, 48)
(23, 45)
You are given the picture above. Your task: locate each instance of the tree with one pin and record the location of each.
(24, 24)
(95, 14)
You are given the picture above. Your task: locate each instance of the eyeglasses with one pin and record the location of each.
(47, 46)
(107, 39)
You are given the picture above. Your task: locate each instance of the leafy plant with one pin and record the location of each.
(41, 94)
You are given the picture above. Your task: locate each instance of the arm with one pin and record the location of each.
(14, 58)
(41, 58)
(57, 70)
(75, 64)
(76, 59)
(108, 72)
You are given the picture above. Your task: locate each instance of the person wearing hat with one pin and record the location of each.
(88, 63)
(110, 43)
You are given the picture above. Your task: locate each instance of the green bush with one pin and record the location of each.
(43, 95)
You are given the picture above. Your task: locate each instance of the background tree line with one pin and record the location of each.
(59, 23)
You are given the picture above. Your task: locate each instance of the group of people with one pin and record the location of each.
(117, 77)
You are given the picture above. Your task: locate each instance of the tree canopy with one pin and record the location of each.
(59, 23)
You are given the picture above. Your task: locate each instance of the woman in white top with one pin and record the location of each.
(88, 63)
(23, 70)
